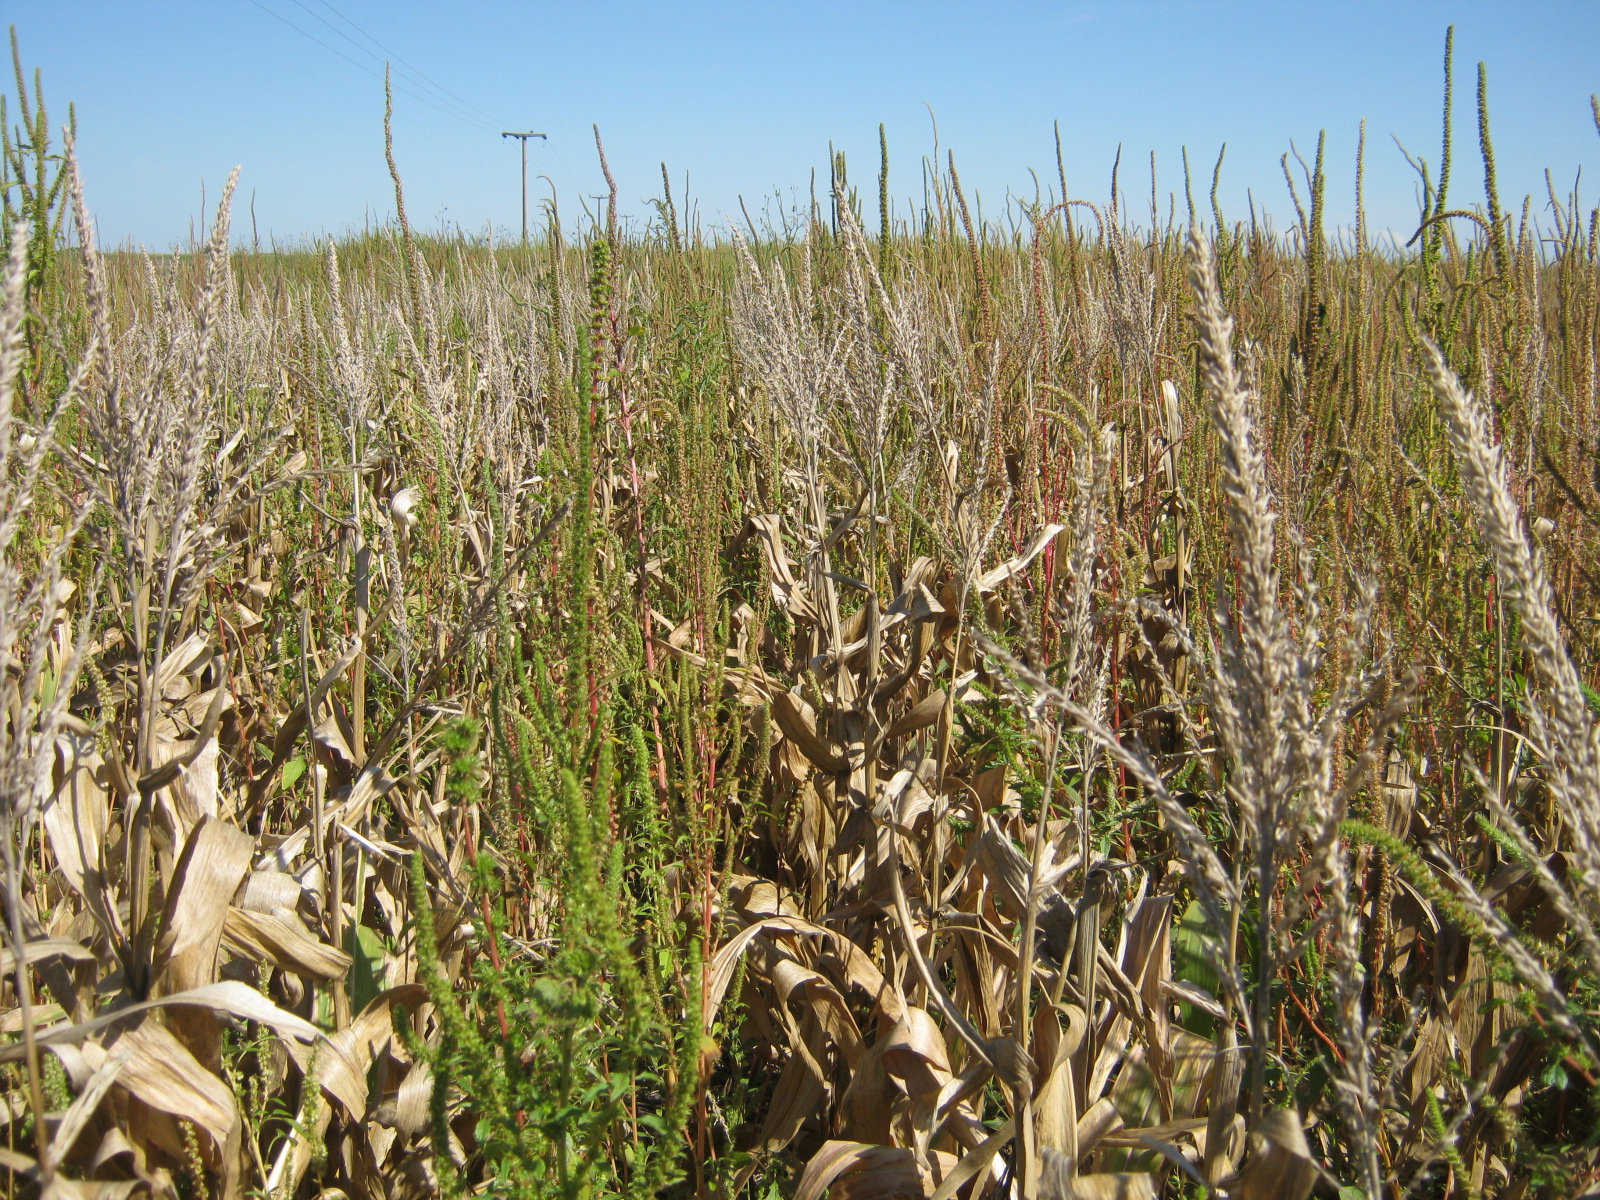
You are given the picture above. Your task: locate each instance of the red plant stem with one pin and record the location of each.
(646, 614)
(1315, 1028)
(488, 931)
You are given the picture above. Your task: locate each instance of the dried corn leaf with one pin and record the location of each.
(858, 968)
(341, 1065)
(1122, 1185)
(162, 1073)
(786, 592)
(174, 677)
(340, 1068)
(1006, 866)
(214, 862)
(22, 1167)
(76, 1119)
(1055, 1100)
(268, 891)
(45, 948)
(924, 713)
(1136, 1093)
(864, 1110)
(990, 580)
(978, 1160)
(75, 822)
(762, 898)
(856, 1171)
(1100, 1121)
(822, 1000)
(195, 791)
(282, 941)
(915, 1053)
(1398, 794)
(726, 961)
(798, 721)
(1280, 1165)
(62, 1188)
(230, 996)
(800, 1090)
(11, 1019)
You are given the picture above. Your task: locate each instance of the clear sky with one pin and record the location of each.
(744, 99)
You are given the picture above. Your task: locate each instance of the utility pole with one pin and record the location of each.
(523, 138)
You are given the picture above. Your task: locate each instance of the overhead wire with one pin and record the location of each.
(560, 165)
(462, 110)
(564, 168)
(409, 68)
(427, 100)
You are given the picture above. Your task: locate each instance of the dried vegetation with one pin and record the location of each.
(1032, 710)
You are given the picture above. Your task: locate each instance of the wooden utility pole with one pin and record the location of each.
(523, 138)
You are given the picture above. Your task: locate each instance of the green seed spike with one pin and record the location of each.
(883, 206)
(1497, 234)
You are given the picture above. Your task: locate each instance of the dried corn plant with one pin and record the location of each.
(955, 713)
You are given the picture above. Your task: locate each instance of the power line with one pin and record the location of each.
(467, 111)
(417, 71)
(462, 112)
(485, 123)
(429, 101)
(562, 167)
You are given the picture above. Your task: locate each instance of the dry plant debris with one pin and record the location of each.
(974, 712)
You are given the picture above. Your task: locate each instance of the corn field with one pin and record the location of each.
(895, 707)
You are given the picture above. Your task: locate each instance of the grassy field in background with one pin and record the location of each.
(896, 707)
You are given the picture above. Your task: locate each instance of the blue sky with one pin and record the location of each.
(745, 99)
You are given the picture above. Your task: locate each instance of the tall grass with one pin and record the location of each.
(961, 710)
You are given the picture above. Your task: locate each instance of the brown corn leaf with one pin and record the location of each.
(1280, 1165)
(1398, 793)
(160, 1071)
(1100, 1121)
(1122, 1185)
(214, 863)
(341, 1064)
(864, 1110)
(62, 1188)
(792, 980)
(174, 677)
(976, 1162)
(991, 580)
(1222, 1105)
(1005, 865)
(801, 1087)
(44, 948)
(916, 1054)
(11, 1019)
(856, 1171)
(283, 942)
(84, 1105)
(229, 996)
(268, 891)
(340, 1068)
(1055, 1100)
(726, 961)
(1189, 1127)
(798, 721)
(786, 592)
(75, 822)
(215, 860)
(858, 968)
(924, 713)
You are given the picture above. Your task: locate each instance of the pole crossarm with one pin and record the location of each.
(523, 138)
